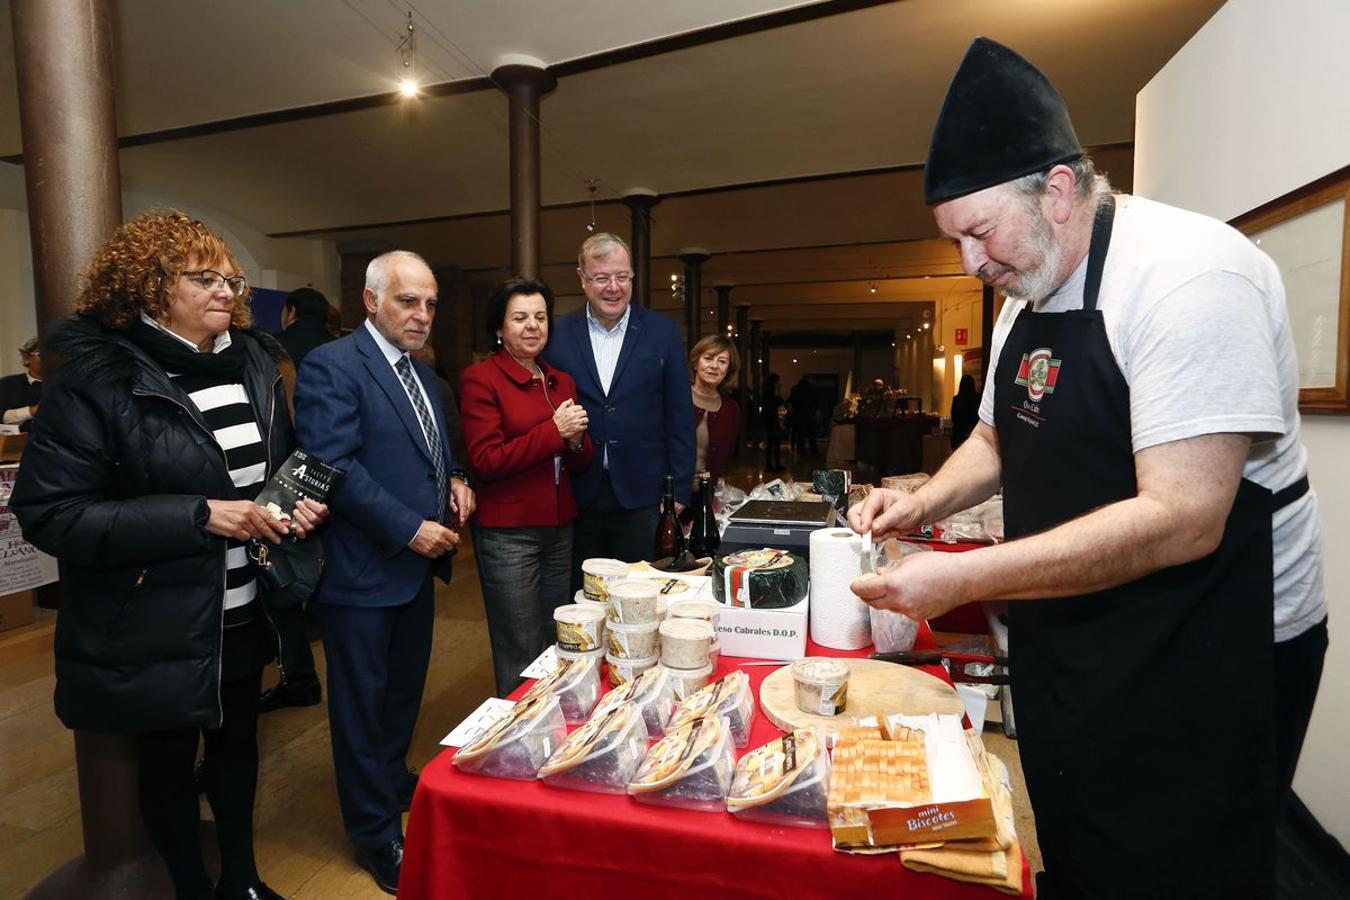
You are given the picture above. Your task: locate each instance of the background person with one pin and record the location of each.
(965, 410)
(526, 436)
(713, 367)
(769, 402)
(366, 406)
(164, 423)
(21, 393)
(304, 322)
(1155, 499)
(626, 362)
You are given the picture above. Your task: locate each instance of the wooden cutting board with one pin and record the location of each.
(873, 686)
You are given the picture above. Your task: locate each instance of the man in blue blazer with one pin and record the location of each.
(364, 404)
(632, 378)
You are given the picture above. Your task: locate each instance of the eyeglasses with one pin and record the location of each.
(211, 280)
(604, 279)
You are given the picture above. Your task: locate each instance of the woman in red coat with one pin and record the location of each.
(713, 364)
(526, 435)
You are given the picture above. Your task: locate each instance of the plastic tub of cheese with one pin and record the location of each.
(597, 574)
(651, 692)
(685, 643)
(687, 681)
(784, 782)
(633, 602)
(602, 755)
(820, 685)
(516, 745)
(580, 628)
(706, 610)
(622, 671)
(690, 767)
(632, 641)
(729, 696)
(715, 652)
(575, 682)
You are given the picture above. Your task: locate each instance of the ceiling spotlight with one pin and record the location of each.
(925, 326)
(892, 343)
(872, 288)
(407, 87)
(908, 336)
(794, 360)
(674, 278)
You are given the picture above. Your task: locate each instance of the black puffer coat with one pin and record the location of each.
(114, 484)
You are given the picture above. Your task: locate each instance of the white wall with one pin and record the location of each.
(1256, 105)
(281, 264)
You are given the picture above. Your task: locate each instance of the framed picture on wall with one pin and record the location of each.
(1307, 233)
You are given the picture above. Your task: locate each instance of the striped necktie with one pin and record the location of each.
(410, 384)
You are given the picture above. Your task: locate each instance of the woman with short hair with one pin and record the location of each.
(526, 436)
(713, 366)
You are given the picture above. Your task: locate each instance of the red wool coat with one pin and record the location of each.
(507, 417)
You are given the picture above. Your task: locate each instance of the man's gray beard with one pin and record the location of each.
(1041, 281)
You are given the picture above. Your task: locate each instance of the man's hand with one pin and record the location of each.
(571, 419)
(242, 519)
(434, 540)
(309, 515)
(922, 585)
(886, 513)
(462, 500)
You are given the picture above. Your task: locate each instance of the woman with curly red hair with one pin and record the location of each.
(163, 425)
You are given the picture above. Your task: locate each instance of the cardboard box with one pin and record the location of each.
(961, 805)
(764, 633)
(16, 609)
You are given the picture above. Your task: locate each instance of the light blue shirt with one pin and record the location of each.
(605, 347)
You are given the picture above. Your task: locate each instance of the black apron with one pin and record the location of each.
(1145, 712)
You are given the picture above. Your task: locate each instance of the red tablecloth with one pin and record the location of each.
(477, 837)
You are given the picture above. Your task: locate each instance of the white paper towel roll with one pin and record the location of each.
(838, 618)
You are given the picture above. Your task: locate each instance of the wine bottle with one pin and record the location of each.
(703, 537)
(669, 534)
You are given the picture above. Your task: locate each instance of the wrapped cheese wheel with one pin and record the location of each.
(652, 692)
(784, 782)
(729, 696)
(575, 682)
(602, 754)
(760, 579)
(690, 767)
(516, 745)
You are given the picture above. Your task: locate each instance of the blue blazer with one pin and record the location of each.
(646, 421)
(351, 411)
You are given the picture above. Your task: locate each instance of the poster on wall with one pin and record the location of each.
(22, 566)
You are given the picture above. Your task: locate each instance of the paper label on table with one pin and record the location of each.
(481, 719)
(544, 664)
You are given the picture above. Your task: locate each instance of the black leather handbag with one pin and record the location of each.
(288, 572)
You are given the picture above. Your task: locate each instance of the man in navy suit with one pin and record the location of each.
(632, 378)
(364, 404)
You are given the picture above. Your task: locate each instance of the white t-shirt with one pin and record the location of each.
(1195, 315)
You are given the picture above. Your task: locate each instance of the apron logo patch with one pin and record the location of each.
(1038, 373)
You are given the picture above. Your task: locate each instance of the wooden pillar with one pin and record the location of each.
(742, 335)
(693, 259)
(63, 54)
(640, 203)
(723, 307)
(525, 80)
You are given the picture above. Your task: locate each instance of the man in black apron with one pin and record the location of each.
(1143, 661)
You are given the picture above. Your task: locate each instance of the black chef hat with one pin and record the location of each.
(1002, 119)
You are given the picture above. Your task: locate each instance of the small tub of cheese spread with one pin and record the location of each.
(633, 602)
(580, 628)
(598, 574)
(685, 643)
(820, 685)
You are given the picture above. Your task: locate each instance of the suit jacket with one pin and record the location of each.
(351, 411)
(508, 424)
(645, 421)
(15, 391)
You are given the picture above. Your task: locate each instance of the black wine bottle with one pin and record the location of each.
(703, 537)
(669, 534)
